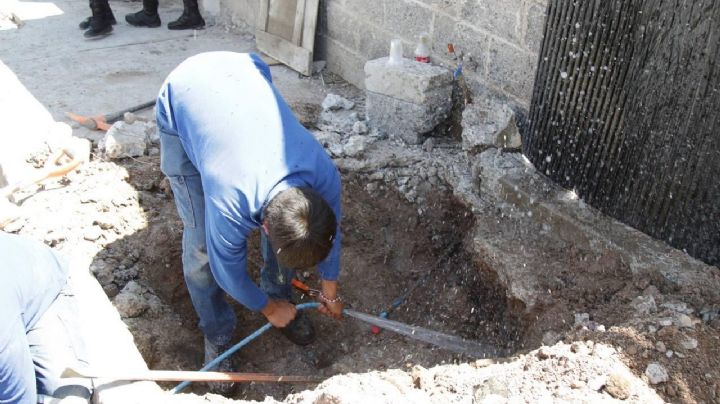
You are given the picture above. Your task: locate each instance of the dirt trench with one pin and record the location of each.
(388, 247)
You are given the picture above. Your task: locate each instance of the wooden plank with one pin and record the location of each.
(262, 18)
(309, 24)
(299, 21)
(299, 59)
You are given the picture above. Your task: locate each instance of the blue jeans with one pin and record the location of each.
(32, 360)
(217, 320)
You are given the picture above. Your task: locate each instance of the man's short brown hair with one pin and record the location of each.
(301, 227)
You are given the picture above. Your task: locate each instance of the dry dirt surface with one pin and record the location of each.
(643, 342)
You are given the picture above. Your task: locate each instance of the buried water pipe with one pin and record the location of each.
(446, 341)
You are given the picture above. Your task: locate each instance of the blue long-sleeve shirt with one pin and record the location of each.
(248, 146)
(31, 277)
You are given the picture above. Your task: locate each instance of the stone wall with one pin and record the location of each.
(501, 37)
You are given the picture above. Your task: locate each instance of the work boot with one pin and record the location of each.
(85, 24)
(190, 18)
(212, 351)
(100, 25)
(147, 17)
(300, 331)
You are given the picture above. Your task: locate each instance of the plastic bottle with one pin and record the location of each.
(422, 52)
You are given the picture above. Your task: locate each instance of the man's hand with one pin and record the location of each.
(330, 303)
(279, 312)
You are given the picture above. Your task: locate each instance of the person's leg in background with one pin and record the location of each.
(190, 18)
(276, 281)
(217, 319)
(55, 343)
(100, 24)
(17, 372)
(147, 17)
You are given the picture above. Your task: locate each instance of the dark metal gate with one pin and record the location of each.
(625, 111)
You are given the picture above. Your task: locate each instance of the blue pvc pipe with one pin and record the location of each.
(239, 345)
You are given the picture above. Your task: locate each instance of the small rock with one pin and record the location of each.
(684, 321)
(581, 318)
(667, 332)
(689, 343)
(669, 353)
(360, 128)
(652, 329)
(644, 305)
(130, 302)
(618, 385)
(355, 146)
(333, 102)
(93, 233)
(656, 373)
(577, 347)
(125, 140)
(665, 322)
(578, 384)
(660, 346)
(632, 350)
(544, 353)
(670, 391)
(429, 145)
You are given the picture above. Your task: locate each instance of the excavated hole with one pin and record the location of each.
(388, 247)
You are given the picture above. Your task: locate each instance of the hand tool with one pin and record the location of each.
(104, 122)
(50, 170)
(193, 376)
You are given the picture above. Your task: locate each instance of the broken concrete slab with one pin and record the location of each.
(410, 81)
(125, 140)
(334, 102)
(489, 125)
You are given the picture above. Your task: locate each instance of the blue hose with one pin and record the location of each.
(239, 345)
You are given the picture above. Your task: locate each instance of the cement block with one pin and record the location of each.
(339, 25)
(499, 17)
(367, 11)
(342, 61)
(512, 70)
(410, 81)
(407, 19)
(404, 120)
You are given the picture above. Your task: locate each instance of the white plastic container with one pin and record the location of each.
(396, 52)
(422, 51)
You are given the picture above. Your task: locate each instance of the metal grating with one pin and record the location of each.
(625, 111)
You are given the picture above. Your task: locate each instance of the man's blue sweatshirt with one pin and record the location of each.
(247, 146)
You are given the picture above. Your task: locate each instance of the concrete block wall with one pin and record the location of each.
(502, 37)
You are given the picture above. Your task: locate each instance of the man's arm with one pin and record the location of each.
(227, 252)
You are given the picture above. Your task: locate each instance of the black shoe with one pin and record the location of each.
(188, 20)
(100, 31)
(85, 24)
(143, 19)
(212, 351)
(300, 331)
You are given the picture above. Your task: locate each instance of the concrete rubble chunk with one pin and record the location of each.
(356, 145)
(644, 305)
(656, 373)
(125, 140)
(407, 100)
(489, 125)
(334, 102)
(619, 386)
